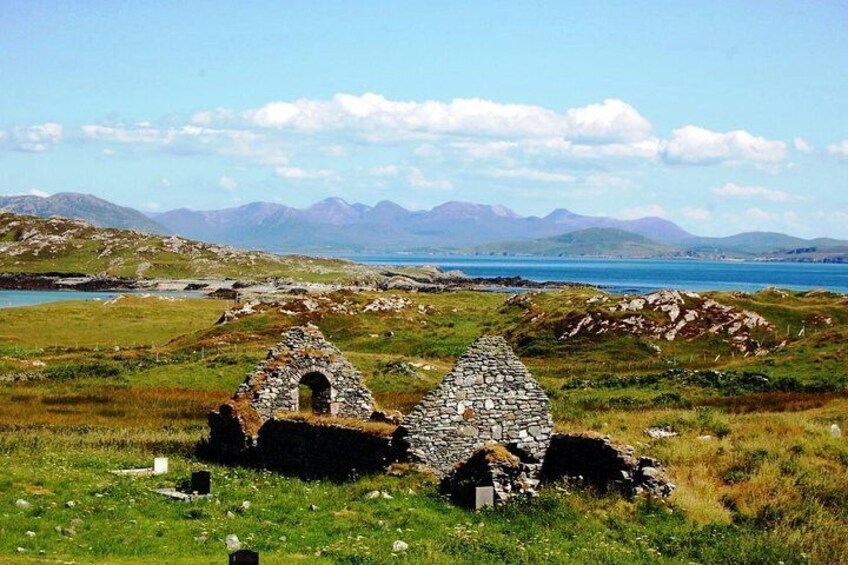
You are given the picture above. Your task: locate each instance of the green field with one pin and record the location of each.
(126, 381)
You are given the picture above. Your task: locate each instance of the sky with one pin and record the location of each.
(721, 116)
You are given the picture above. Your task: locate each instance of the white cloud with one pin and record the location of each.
(653, 210)
(416, 179)
(31, 192)
(758, 215)
(532, 175)
(694, 145)
(376, 116)
(801, 145)
(33, 139)
(151, 205)
(839, 149)
(732, 190)
(699, 214)
(385, 171)
(228, 183)
(296, 173)
(610, 120)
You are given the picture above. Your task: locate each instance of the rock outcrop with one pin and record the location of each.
(666, 315)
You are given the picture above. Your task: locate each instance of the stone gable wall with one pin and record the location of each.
(273, 386)
(489, 397)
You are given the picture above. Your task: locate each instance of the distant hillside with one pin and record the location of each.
(758, 242)
(86, 207)
(592, 242)
(334, 225)
(29, 244)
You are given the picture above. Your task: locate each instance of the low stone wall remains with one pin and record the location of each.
(595, 461)
(323, 450)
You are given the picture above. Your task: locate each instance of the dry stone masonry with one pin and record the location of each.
(306, 357)
(303, 357)
(488, 398)
(487, 425)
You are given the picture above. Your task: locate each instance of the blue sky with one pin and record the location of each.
(724, 117)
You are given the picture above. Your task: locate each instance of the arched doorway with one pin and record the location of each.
(314, 394)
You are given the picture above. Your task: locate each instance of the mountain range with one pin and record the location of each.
(335, 226)
(96, 211)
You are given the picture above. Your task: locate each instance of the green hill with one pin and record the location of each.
(592, 242)
(30, 244)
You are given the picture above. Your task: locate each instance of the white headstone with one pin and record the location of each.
(835, 431)
(160, 465)
(484, 496)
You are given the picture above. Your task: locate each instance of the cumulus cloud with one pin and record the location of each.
(296, 173)
(733, 190)
(839, 149)
(385, 171)
(692, 145)
(801, 145)
(652, 210)
(758, 215)
(31, 192)
(699, 214)
(33, 139)
(187, 138)
(532, 175)
(228, 183)
(417, 179)
(376, 116)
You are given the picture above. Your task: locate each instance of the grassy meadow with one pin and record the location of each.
(759, 476)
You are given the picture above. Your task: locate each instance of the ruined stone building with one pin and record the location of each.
(303, 357)
(488, 398)
(488, 423)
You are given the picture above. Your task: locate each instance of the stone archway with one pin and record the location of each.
(322, 394)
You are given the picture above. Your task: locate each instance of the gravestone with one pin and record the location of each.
(160, 465)
(201, 482)
(244, 557)
(484, 496)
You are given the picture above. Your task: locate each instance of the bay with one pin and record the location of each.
(13, 298)
(637, 275)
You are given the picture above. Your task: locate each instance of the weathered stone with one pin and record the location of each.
(596, 461)
(440, 434)
(304, 356)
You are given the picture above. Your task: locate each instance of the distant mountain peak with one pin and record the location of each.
(95, 210)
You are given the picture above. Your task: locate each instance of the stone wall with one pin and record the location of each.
(489, 397)
(490, 466)
(305, 357)
(315, 450)
(595, 461)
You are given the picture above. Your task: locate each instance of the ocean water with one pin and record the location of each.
(12, 298)
(634, 275)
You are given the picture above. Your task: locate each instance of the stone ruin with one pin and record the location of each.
(303, 357)
(487, 424)
(489, 397)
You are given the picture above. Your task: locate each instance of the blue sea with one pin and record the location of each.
(12, 298)
(626, 275)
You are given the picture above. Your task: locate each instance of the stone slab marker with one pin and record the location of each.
(160, 465)
(201, 482)
(244, 557)
(483, 497)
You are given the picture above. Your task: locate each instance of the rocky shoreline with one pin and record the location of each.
(426, 279)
